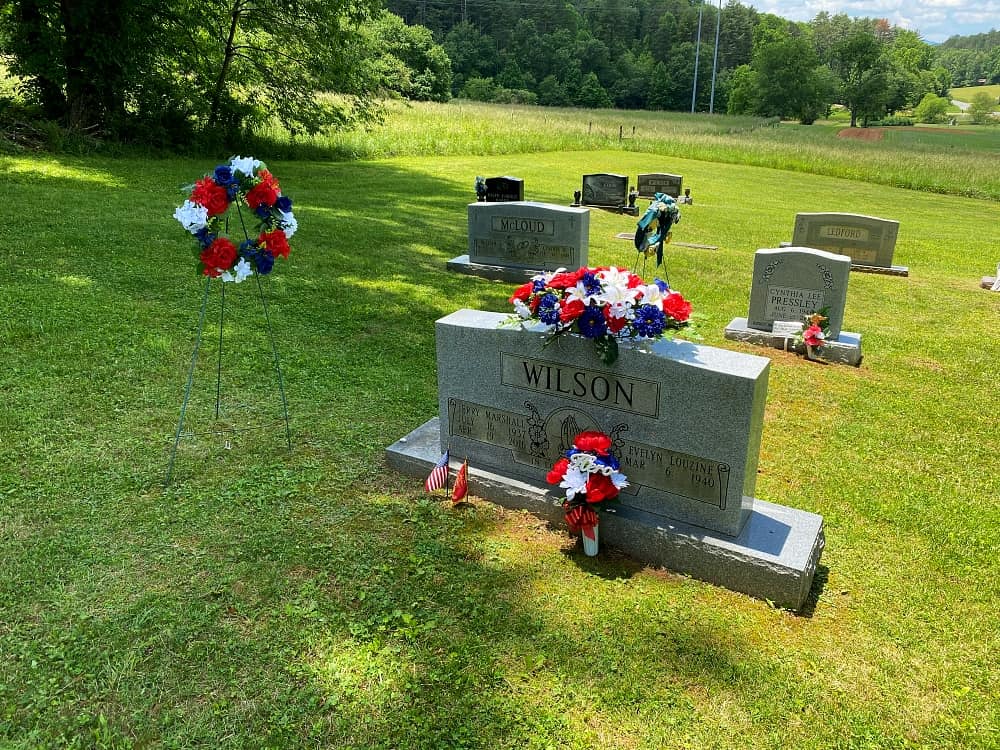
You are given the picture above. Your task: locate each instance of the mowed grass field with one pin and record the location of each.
(313, 598)
(965, 94)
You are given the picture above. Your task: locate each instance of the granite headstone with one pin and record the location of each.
(503, 189)
(604, 189)
(653, 183)
(866, 240)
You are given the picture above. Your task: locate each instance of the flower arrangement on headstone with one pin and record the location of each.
(605, 304)
(815, 332)
(590, 474)
(244, 181)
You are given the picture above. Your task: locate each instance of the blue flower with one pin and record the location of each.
(264, 262)
(537, 285)
(591, 283)
(649, 321)
(223, 176)
(283, 204)
(204, 236)
(548, 309)
(248, 248)
(664, 286)
(591, 323)
(263, 212)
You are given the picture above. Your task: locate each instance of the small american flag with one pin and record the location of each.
(438, 475)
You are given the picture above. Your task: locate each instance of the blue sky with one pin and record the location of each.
(935, 20)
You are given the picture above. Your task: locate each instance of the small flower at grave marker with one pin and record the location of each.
(244, 181)
(605, 304)
(590, 474)
(816, 331)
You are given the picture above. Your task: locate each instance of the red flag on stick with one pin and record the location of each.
(461, 483)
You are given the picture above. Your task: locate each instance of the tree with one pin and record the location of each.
(931, 109)
(788, 79)
(981, 108)
(858, 62)
(407, 60)
(592, 94)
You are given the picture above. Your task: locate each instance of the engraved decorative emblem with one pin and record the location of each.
(827, 276)
(770, 269)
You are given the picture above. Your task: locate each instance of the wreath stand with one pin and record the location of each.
(218, 375)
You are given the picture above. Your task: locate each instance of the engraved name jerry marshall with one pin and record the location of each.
(628, 394)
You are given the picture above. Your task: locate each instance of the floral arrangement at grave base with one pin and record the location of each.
(244, 181)
(590, 474)
(605, 304)
(815, 333)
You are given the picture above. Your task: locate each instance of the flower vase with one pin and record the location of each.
(589, 536)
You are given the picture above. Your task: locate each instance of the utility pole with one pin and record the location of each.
(715, 59)
(465, 8)
(697, 53)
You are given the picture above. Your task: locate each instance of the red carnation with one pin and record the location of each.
(614, 324)
(592, 442)
(634, 281)
(566, 280)
(522, 292)
(571, 310)
(218, 257)
(557, 472)
(677, 307)
(275, 242)
(600, 488)
(261, 195)
(210, 195)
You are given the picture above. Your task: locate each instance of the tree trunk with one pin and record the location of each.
(227, 60)
(36, 61)
(95, 77)
(854, 117)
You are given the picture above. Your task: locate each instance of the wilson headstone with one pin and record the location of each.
(685, 421)
(605, 190)
(512, 241)
(652, 183)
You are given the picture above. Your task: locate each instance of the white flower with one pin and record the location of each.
(289, 224)
(574, 482)
(653, 295)
(618, 480)
(192, 216)
(522, 309)
(244, 164)
(243, 271)
(616, 291)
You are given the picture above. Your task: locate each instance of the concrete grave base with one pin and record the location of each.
(462, 264)
(845, 350)
(987, 282)
(887, 271)
(774, 557)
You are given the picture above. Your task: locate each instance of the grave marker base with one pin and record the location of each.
(987, 282)
(774, 557)
(845, 350)
(862, 268)
(462, 264)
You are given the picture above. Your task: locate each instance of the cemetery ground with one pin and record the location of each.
(313, 598)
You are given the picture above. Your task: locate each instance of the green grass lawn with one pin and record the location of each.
(965, 94)
(314, 598)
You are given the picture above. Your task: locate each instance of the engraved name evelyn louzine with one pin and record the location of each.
(607, 389)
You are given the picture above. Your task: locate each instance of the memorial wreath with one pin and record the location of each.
(243, 181)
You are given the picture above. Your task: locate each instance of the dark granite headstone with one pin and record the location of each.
(668, 184)
(609, 190)
(504, 189)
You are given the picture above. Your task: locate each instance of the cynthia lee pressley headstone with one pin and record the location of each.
(504, 189)
(788, 284)
(605, 190)
(685, 421)
(867, 240)
(653, 183)
(516, 240)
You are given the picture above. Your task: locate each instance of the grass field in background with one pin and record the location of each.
(462, 127)
(965, 94)
(316, 599)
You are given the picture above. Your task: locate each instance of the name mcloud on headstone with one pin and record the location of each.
(789, 284)
(652, 183)
(513, 241)
(867, 240)
(685, 421)
(605, 190)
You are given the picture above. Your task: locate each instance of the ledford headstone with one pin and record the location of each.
(789, 284)
(867, 240)
(605, 190)
(515, 240)
(651, 184)
(685, 421)
(503, 189)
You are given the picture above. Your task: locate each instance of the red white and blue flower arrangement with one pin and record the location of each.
(244, 181)
(590, 474)
(604, 304)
